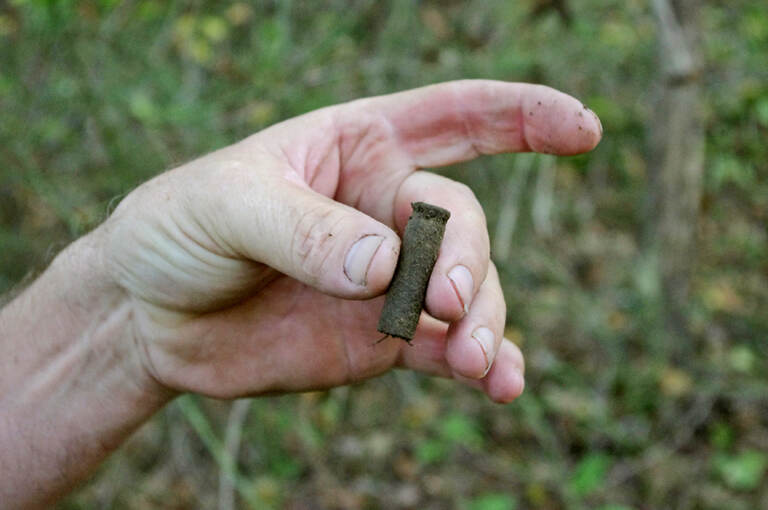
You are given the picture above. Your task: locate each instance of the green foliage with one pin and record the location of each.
(493, 501)
(721, 436)
(589, 474)
(461, 430)
(728, 169)
(761, 110)
(744, 471)
(431, 451)
(451, 431)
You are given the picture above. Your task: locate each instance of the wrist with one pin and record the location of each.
(103, 314)
(75, 325)
(72, 385)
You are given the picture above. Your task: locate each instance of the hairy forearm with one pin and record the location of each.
(72, 387)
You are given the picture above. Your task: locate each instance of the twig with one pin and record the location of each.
(510, 200)
(237, 414)
(197, 419)
(310, 444)
(680, 63)
(698, 414)
(541, 211)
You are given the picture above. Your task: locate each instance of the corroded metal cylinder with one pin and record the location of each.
(418, 254)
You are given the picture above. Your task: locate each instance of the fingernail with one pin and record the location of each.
(359, 258)
(485, 339)
(461, 280)
(519, 382)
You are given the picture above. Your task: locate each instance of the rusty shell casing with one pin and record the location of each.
(418, 254)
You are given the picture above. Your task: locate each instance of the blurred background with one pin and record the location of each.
(636, 276)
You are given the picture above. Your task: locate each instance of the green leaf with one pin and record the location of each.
(493, 501)
(761, 109)
(744, 471)
(284, 467)
(728, 169)
(589, 474)
(431, 451)
(214, 28)
(742, 359)
(142, 107)
(721, 436)
(459, 429)
(614, 507)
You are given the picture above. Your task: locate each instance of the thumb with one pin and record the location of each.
(314, 239)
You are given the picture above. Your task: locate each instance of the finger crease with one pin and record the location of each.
(524, 146)
(468, 131)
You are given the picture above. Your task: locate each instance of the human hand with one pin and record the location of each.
(250, 270)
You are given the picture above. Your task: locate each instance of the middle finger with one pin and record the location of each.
(462, 263)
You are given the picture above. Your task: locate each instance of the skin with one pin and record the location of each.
(232, 276)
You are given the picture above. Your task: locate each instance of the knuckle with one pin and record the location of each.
(313, 239)
(476, 216)
(464, 192)
(474, 212)
(361, 133)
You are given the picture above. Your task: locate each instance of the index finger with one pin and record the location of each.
(455, 121)
(361, 152)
